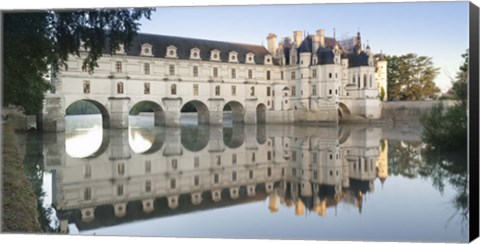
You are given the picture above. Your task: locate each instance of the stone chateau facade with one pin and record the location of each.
(309, 78)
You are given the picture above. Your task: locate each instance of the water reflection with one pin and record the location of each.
(144, 173)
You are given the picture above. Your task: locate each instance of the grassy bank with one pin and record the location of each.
(19, 207)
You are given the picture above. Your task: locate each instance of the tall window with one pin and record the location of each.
(250, 174)
(281, 75)
(196, 162)
(219, 160)
(121, 169)
(120, 88)
(215, 178)
(269, 91)
(87, 193)
(195, 89)
(118, 67)
(268, 74)
(292, 75)
(314, 73)
(174, 163)
(86, 86)
(173, 184)
(119, 190)
(196, 180)
(171, 69)
(217, 90)
(195, 71)
(250, 74)
(234, 73)
(253, 157)
(87, 171)
(234, 175)
(234, 90)
(314, 90)
(146, 68)
(364, 80)
(371, 81)
(294, 91)
(146, 88)
(269, 171)
(329, 75)
(353, 81)
(173, 89)
(234, 158)
(252, 91)
(148, 166)
(215, 72)
(148, 186)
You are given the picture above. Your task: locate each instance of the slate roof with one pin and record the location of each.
(184, 45)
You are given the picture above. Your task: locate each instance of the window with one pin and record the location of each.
(329, 75)
(336, 91)
(234, 158)
(146, 68)
(234, 73)
(196, 180)
(314, 90)
(119, 190)
(250, 174)
(268, 91)
(329, 91)
(195, 71)
(120, 88)
(292, 75)
(215, 178)
(215, 72)
(234, 175)
(219, 160)
(315, 174)
(146, 88)
(118, 67)
(315, 158)
(171, 69)
(331, 156)
(86, 86)
(353, 81)
(364, 80)
(234, 90)
(370, 81)
(250, 74)
(173, 184)
(173, 89)
(174, 163)
(196, 162)
(336, 75)
(269, 171)
(253, 157)
(281, 75)
(252, 91)
(314, 73)
(268, 74)
(294, 92)
(195, 89)
(269, 155)
(87, 193)
(294, 156)
(87, 173)
(121, 169)
(217, 90)
(148, 186)
(148, 166)
(84, 68)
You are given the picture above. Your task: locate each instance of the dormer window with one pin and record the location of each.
(146, 50)
(268, 59)
(233, 57)
(171, 52)
(195, 53)
(250, 58)
(120, 49)
(215, 55)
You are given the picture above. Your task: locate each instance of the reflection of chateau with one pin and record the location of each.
(195, 168)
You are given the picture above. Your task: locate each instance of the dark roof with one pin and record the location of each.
(306, 45)
(325, 56)
(184, 45)
(357, 60)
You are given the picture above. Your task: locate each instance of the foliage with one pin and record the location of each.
(460, 85)
(82, 107)
(411, 77)
(382, 94)
(37, 41)
(404, 158)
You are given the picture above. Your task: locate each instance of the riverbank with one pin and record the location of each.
(19, 207)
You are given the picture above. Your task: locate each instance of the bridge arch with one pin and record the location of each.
(261, 113)
(101, 108)
(233, 137)
(146, 141)
(203, 114)
(343, 111)
(234, 111)
(149, 106)
(195, 138)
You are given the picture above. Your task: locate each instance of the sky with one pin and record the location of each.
(434, 29)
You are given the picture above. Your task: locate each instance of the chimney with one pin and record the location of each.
(272, 43)
(315, 43)
(321, 37)
(297, 38)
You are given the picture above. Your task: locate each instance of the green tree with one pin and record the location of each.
(411, 77)
(382, 94)
(460, 85)
(36, 41)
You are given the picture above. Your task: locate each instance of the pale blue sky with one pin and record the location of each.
(435, 29)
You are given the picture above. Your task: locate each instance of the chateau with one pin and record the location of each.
(310, 78)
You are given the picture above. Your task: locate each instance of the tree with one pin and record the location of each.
(460, 85)
(382, 94)
(37, 41)
(411, 77)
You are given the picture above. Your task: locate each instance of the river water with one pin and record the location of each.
(352, 183)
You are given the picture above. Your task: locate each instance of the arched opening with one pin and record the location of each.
(146, 114)
(84, 123)
(261, 133)
(343, 111)
(261, 114)
(233, 137)
(195, 138)
(233, 113)
(146, 140)
(194, 112)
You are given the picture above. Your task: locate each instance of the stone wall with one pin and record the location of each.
(408, 111)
